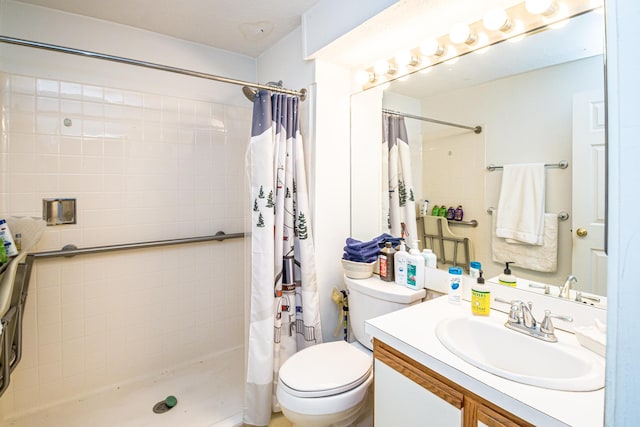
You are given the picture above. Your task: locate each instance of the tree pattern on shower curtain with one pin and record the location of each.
(284, 314)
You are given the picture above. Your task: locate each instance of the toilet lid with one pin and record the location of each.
(325, 369)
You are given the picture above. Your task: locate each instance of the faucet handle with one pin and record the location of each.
(546, 327)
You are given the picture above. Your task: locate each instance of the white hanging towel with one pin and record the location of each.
(538, 258)
(520, 213)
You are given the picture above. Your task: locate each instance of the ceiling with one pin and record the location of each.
(247, 27)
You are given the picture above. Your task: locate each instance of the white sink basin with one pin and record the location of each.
(490, 346)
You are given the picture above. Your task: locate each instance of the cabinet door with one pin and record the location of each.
(401, 402)
(478, 415)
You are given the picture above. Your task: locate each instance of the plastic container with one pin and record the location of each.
(7, 239)
(474, 269)
(430, 259)
(480, 297)
(415, 268)
(506, 278)
(358, 270)
(454, 289)
(400, 264)
(424, 210)
(435, 211)
(385, 260)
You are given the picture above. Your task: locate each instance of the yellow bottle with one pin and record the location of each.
(480, 297)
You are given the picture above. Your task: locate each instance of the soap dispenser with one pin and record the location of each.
(480, 297)
(415, 268)
(506, 278)
(400, 264)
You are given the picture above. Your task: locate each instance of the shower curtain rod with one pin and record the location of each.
(302, 93)
(476, 129)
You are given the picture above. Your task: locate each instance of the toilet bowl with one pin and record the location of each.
(326, 385)
(329, 384)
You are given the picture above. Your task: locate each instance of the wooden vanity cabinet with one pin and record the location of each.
(409, 394)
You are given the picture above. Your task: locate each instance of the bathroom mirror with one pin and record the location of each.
(523, 96)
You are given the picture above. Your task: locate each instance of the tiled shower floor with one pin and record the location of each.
(209, 393)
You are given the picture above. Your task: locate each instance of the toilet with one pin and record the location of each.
(329, 384)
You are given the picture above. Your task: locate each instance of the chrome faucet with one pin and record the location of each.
(565, 290)
(521, 320)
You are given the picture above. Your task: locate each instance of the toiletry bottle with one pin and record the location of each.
(3, 254)
(451, 213)
(455, 285)
(7, 239)
(435, 211)
(425, 207)
(459, 213)
(415, 268)
(506, 278)
(480, 297)
(400, 264)
(474, 269)
(17, 239)
(430, 259)
(443, 211)
(385, 259)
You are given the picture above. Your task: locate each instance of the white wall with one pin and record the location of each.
(149, 156)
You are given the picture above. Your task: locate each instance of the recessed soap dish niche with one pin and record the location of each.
(59, 211)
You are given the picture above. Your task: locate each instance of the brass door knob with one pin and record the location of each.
(581, 232)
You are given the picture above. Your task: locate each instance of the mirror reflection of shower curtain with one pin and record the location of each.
(285, 315)
(398, 198)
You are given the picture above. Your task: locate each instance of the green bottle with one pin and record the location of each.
(435, 211)
(3, 254)
(443, 211)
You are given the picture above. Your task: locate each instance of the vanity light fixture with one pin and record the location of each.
(497, 20)
(511, 24)
(542, 7)
(461, 33)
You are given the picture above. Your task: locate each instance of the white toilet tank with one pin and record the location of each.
(372, 297)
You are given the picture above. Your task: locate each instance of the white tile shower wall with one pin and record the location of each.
(142, 167)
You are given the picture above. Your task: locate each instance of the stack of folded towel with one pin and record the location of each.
(358, 251)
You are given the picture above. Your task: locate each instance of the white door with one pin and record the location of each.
(589, 259)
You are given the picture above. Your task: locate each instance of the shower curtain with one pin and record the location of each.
(398, 201)
(284, 314)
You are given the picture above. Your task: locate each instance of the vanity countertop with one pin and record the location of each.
(412, 331)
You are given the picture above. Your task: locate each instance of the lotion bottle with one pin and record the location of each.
(400, 264)
(415, 268)
(506, 278)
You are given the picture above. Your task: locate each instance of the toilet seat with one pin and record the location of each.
(336, 367)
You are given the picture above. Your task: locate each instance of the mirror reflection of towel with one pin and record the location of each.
(521, 205)
(538, 258)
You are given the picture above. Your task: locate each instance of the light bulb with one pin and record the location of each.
(497, 19)
(403, 58)
(541, 7)
(461, 33)
(381, 67)
(364, 76)
(430, 47)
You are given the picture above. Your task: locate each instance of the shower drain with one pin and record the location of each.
(165, 405)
